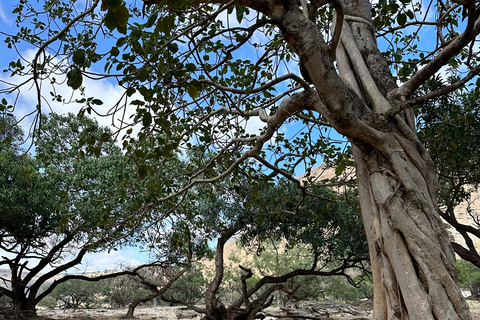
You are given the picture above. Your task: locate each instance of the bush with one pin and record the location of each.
(468, 274)
(469, 277)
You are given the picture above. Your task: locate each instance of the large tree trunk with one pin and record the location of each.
(413, 263)
(24, 307)
(412, 260)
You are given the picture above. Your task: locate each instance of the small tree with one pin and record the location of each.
(449, 126)
(75, 294)
(121, 291)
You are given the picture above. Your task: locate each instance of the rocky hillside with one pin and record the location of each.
(468, 212)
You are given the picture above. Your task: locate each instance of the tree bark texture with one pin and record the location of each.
(413, 263)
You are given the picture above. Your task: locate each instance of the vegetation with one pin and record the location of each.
(330, 234)
(449, 125)
(51, 215)
(74, 294)
(469, 277)
(262, 89)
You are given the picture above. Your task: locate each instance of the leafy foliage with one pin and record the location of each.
(121, 291)
(28, 202)
(60, 205)
(75, 294)
(450, 129)
(190, 288)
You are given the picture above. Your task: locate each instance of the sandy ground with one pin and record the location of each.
(159, 313)
(181, 313)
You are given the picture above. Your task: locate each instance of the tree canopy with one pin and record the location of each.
(57, 209)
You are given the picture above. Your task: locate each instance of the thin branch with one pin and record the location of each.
(440, 92)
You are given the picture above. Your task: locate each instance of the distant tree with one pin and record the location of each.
(11, 134)
(75, 294)
(245, 209)
(54, 211)
(174, 250)
(469, 277)
(449, 126)
(277, 258)
(121, 291)
(190, 288)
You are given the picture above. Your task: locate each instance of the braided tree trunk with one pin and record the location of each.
(412, 260)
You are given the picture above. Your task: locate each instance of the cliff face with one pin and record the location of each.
(467, 212)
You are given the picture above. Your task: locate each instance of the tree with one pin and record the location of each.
(121, 291)
(448, 125)
(331, 233)
(178, 251)
(74, 294)
(469, 277)
(51, 213)
(190, 288)
(277, 259)
(158, 281)
(11, 134)
(183, 67)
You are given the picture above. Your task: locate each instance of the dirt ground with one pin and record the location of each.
(159, 313)
(181, 313)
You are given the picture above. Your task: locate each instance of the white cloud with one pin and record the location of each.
(4, 17)
(103, 261)
(109, 93)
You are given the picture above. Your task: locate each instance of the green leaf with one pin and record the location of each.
(121, 16)
(410, 14)
(74, 79)
(114, 51)
(105, 136)
(193, 91)
(112, 4)
(178, 4)
(143, 171)
(190, 67)
(147, 119)
(402, 19)
(173, 47)
(109, 20)
(340, 168)
(79, 57)
(97, 102)
(151, 20)
(240, 12)
(139, 154)
(144, 74)
(91, 140)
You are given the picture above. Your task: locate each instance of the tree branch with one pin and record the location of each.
(471, 31)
